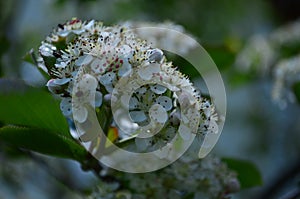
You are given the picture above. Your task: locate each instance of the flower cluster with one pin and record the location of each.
(87, 61)
(277, 55)
(161, 37)
(286, 74)
(210, 179)
(258, 54)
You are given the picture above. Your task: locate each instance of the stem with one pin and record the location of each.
(294, 194)
(278, 183)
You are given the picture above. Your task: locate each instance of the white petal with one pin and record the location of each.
(61, 65)
(63, 33)
(61, 81)
(97, 65)
(104, 34)
(51, 83)
(75, 51)
(138, 116)
(165, 102)
(125, 68)
(185, 132)
(125, 49)
(66, 106)
(98, 99)
(184, 100)
(47, 50)
(213, 127)
(155, 55)
(78, 32)
(109, 88)
(83, 60)
(107, 78)
(107, 97)
(141, 90)
(89, 25)
(114, 42)
(133, 103)
(52, 87)
(125, 99)
(146, 72)
(158, 114)
(80, 114)
(184, 118)
(158, 89)
(88, 83)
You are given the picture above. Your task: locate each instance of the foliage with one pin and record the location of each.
(32, 120)
(248, 174)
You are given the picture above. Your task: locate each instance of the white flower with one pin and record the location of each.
(47, 49)
(257, 54)
(165, 102)
(158, 89)
(85, 94)
(83, 60)
(138, 116)
(125, 68)
(286, 74)
(56, 85)
(155, 55)
(161, 37)
(158, 114)
(107, 80)
(147, 71)
(66, 106)
(185, 132)
(96, 58)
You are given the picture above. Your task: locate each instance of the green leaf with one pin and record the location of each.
(237, 79)
(248, 173)
(42, 141)
(32, 107)
(222, 57)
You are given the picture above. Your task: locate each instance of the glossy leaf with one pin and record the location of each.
(248, 173)
(31, 107)
(42, 141)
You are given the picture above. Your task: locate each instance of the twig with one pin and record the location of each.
(278, 183)
(294, 194)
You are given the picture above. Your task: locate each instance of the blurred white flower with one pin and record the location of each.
(278, 55)
(286, 73)
(206, 178)
(258, 55)
(161, 37)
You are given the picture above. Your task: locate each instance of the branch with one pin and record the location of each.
(278, 183)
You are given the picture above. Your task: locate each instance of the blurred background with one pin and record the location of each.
(256, 129)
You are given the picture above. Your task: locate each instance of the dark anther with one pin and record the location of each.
(61, 26)
(57, 54)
